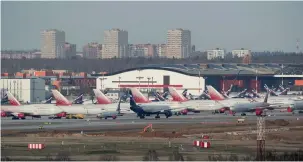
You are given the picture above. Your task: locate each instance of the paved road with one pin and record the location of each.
(128, 119)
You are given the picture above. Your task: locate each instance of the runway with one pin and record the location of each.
(129, 119)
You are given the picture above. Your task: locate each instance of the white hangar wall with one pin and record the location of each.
(31, 90)
(195, 85)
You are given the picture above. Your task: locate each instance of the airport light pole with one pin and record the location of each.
(148, 87)
(223, 86)
(119, 82)
(199, 80)
(282, 75)
(256, 81)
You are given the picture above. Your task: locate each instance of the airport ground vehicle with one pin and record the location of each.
(75, 116)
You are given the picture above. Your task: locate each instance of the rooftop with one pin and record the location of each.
(222, 69)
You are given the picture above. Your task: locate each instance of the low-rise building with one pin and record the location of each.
(215, 53)
(241, 53)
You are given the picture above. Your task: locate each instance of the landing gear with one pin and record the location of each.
(243, 114)
(158, 116)
(141, 116)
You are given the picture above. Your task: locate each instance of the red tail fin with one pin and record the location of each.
(12, 100)
(101, 98)
(176, 96)
(138, 96)
(214, 94)
(60, 99)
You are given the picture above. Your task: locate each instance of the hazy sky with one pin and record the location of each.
(255, 25)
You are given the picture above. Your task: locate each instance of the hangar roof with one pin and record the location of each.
(213, 69)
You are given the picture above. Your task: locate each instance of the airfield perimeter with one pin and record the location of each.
(124, 139)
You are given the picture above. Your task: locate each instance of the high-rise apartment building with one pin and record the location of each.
(161, 50)
(92, 50)
(70, 50)
(142, 50)
(52, 44)
(178, 43)
(115, 44)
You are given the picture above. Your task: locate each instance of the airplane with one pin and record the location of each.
(103, 100)
(194, 97)
(111, 114)
(87, 109)
(18, 111)
(147, 109)
(205, 105)
(273, 93)
(239, 95)
(296, 105)
(257, 107)
(177, 107)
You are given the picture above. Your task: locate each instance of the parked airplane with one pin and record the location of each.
(177, 107)
(143, 110)
(111, 114)
(257, 107)
(239, 95)
(88, 109)
(19, 111)
(205, 105)
(274, 93)
(107, 103)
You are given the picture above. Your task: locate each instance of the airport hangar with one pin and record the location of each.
(194, 77)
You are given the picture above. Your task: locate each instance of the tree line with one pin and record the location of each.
(117, 64)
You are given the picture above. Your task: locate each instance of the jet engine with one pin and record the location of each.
(184, 112)
(259, 111)
(168, 113)
(20, 115)
(3, 114)
(63, 114)
(289, 109)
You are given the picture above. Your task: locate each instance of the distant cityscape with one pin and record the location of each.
(116, 45)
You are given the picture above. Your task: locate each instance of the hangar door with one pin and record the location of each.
(166, 81)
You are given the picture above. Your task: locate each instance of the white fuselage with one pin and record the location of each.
(35, 109)
(164, 105)
(93, 109)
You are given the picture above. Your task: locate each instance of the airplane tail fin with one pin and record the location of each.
(132, 100)
(12, 100)
(176, 96)
(101, 98)
(229, 90)
(4, 99)
(60, 99)
(165, 94)
(184, 93)
(49, 100)
(160, 97)
(284, 92)
(79, 99)
(138, 96)
(214, 94)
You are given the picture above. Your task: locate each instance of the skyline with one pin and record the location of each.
(240, 21)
